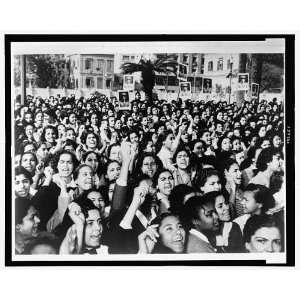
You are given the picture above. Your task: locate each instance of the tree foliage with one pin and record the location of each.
(149, 69)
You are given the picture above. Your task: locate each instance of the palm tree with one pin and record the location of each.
(164, 64)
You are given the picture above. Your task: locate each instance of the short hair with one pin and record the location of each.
(157, 174)
(265, 157)
(190, 210)
(76, 171)
(262, 195)
(43, 139)
(256, 222)
(203, 175)
(54, 160)
(71, 143)
(180, 149)
(22, 171)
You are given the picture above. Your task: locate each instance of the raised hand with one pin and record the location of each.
(126, 151)
(76, 214)
(48, 171)
(148, 239)
(68, 245)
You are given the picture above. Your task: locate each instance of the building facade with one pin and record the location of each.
(218, 68)
(195, 69)
(91, 71)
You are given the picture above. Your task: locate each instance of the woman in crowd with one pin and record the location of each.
(142, 169)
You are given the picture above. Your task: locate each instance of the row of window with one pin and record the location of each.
(100, 65)
(210, 65)
(90, 83)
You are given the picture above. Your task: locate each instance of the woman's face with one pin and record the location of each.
(199, 149)
(149, 166)
(92, 161)
(226, 144)
(253, 141)
(71, 135)
(234, 174)
(28, 162)
(172, 234)
(118, 124)
(182, 160)
(168, 143)
(276, 141)
(206, 138)
(236, 145)
(265, 144)
(29, 131)
(262, 132)
(265, 239)
(85, 178)
(65, 165)
(94, 119)
(91, 141)
(30, 222)
(212, 184)
(72, 119)
(250, 206)
(39, 117)
(154, 138)
(113, 171)
(42, 151)
(50, 135)
(222, 209)
(115, 153)
(22, 186)
(165, 183)
(61, 130)
(185, 137)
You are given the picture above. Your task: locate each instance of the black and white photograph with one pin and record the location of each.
(254, 90)
(207, 85)
(97, 178)
(124, 101)
(182, 71)
(243, 81)
(128, 84)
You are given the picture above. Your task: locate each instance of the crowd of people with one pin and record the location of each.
(180, 177)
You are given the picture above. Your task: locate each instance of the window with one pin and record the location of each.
(109, 67)
(228, 64)
(89, 82)
(210, 66)
(108, 82)
(88, 64)
(185, 59)
(220, 64)
(100, 65)
(132, 57)
(126, 58)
